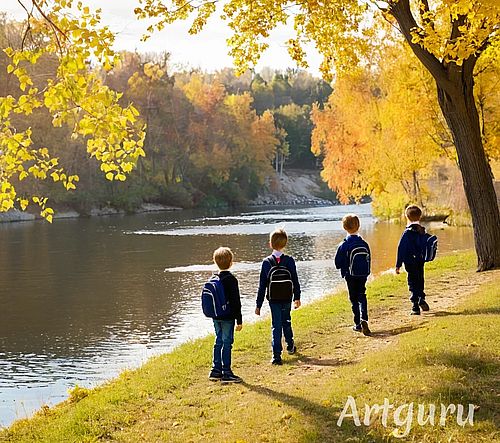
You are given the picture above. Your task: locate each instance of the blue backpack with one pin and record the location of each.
(359, 261)
(428, 247)
(213, 299)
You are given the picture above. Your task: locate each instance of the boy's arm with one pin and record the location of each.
(236, 301)
(402, 250)
(339, 256)
(261, 292)
(295, 278)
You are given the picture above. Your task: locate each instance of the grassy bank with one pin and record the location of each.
(448, 356)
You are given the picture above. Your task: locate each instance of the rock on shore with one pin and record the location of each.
(294, 187)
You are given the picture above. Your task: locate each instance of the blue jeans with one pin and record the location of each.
(357, 296)
(224, 338)
(281, 325)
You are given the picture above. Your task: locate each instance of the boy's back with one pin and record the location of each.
(408, 248)
(344, 256)
(232, 293)
(268, 263)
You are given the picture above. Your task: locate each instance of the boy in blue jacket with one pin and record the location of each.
(279, 283)
(409, 255)
(353, 260)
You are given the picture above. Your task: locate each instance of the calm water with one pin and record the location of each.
(80, 300)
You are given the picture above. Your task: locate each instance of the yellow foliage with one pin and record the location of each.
(393, 138)
(76, 97)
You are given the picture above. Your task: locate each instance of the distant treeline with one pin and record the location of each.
(212, 139)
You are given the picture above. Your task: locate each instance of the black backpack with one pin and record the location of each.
(279, 281)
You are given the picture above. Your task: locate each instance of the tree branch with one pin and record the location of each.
(401, 11)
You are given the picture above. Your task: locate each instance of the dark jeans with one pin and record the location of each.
(415, 282)
(281, 325)
(224, 338)
(357, 296)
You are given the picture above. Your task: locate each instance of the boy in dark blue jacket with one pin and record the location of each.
(409, 255)
(353, 260)
(279, 283)
(224, 327)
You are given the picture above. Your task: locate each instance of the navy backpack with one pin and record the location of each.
(213, 299)
(428, 247)
(359, 261)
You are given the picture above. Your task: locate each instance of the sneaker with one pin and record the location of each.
(365, 329)
(276, 361)
(415, 310)
(291, 349)
(215, 375)
(423, 305)
(357, 328)
(229, 377)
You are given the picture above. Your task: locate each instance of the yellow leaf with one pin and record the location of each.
(110, 176)
(23, 203)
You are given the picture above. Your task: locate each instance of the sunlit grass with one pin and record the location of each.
(451, 358)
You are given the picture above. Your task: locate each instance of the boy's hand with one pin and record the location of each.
(398, 270)
(257, 311)
(239, 327)
(296, 304)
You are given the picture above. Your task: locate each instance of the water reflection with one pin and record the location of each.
(83, 299)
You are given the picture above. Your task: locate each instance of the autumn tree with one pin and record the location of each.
(448, 37)
(393, 139)
(74, 96)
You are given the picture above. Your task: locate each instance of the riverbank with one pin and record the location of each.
(15, 215)
(447, 356)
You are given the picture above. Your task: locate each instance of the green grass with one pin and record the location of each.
(449, 358)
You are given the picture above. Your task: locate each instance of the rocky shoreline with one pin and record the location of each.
(294, 187)
(14, 215)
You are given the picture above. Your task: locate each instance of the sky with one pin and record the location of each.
(206, 50)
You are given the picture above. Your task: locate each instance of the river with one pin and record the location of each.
(83, 299)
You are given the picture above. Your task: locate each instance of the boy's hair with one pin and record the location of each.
(223, 257)
(413, 213)
(278, 238)
(350, 222)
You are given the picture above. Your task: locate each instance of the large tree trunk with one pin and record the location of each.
(461, 114)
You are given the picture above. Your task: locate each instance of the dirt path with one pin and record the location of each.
(387, 324)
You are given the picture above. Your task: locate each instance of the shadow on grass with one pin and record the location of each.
(395, 331)
(477, 384)
(323, 361)
(323, 418)
(480, 311)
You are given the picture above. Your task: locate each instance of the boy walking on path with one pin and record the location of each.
(409, 253)
(353, 260)
(280, 284)
(224, 326)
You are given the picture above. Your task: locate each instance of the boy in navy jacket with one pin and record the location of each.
(224, 327)
(409, 255)
(280, 310)
(353, 260)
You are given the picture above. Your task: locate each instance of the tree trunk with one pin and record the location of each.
(462, 117)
